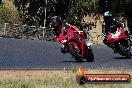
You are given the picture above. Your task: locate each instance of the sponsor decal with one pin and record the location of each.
(83, 78)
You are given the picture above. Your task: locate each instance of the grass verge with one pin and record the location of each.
(53, 79)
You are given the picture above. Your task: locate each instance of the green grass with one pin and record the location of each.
(54, 83)
(53, 79)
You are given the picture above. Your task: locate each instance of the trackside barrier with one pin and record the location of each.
(39, 33)
(26, 32)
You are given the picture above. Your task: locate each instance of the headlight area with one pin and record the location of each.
(116, 35)
(63, 41)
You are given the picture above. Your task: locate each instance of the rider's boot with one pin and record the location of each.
(127, 34)
(128, 37)
(64, 50)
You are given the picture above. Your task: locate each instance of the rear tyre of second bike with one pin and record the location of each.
(89, 56)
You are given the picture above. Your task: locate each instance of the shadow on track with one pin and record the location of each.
(73, 61)
(77, 62)
(121, 57)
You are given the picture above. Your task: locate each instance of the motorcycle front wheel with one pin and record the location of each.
(75, 54)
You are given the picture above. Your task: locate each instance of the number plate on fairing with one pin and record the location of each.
(115, 35)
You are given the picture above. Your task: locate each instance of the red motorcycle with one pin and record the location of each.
(75, 44)
(120, 42)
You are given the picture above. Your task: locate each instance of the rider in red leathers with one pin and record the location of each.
(61, 27)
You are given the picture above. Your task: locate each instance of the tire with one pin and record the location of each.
(129, 51)
(74, 54)
(129, 55)
(126, 53)
(89, 56)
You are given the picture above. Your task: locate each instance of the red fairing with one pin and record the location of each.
(115, 37)
(61, 37)
(58, 39)
(76, 39)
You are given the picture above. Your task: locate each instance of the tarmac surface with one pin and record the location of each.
(46, 55)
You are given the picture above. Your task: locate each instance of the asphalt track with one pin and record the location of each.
(33, 54)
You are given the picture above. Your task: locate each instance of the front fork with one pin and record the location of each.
(79, 47)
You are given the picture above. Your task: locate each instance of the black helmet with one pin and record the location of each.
(56, 22)
(108, 17)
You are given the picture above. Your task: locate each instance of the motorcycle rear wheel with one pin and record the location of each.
(74, 53)
(89, 56)
(126, 53)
